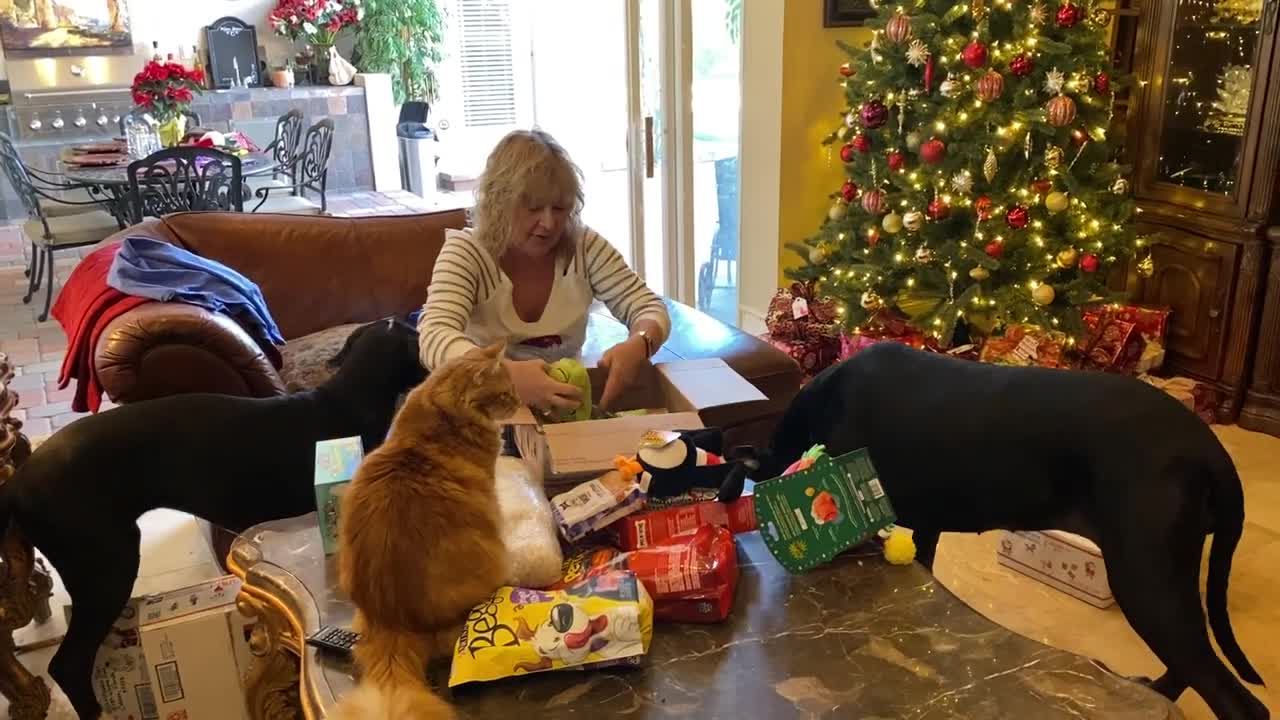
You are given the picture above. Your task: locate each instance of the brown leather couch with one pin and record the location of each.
(317, 273)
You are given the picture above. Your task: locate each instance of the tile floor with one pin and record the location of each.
(175, 554)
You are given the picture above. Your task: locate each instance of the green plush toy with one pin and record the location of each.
(572, 372)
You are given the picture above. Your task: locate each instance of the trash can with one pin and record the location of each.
(418, 154)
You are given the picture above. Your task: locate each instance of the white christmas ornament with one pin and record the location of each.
(951, 89)
(851, 120)
(917, 53)
(1054, 80)
(913, 220)
(341, 72)
(962, 182)
(913, 140)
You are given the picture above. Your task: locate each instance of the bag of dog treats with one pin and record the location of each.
(594, 504)
(601, 621)
(691, 577)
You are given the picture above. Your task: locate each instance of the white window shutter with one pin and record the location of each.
(486, 58)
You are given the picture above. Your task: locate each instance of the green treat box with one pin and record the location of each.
(336, 463)
(809, 517)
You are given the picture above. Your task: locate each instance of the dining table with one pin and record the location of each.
(105, 174)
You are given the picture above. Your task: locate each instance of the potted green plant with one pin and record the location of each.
(402, 38)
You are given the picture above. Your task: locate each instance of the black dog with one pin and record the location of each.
(968, 447)
(231, 460)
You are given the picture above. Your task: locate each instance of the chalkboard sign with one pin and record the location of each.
(233, 53)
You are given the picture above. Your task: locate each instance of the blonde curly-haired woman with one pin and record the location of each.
(528, 273)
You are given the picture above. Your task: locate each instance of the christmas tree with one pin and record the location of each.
(980, 185)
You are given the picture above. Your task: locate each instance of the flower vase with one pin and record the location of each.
(172, 131)
(320, 65)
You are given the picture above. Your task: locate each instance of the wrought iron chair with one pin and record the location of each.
(80, 224)
(184, 178)
(724, 245)
(285, 145)
(311, 172)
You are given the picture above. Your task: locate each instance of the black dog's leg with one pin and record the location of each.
(1154, 571)
(99, 583)
(926, 541)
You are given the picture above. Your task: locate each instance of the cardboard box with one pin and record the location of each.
(196, 636)
(682, 388)
(336, 464)
(1060, 560)
(655, 527)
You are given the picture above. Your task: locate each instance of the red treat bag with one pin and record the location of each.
(1115, 348)
(654, 527)
(691, 577)
(1145, 349)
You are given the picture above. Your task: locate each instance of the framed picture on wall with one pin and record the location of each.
(846, 13)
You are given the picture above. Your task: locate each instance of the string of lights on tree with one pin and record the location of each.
(979, 183)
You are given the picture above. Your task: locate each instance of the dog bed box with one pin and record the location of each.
(675, 392)
(181, 651)
(1060, 560)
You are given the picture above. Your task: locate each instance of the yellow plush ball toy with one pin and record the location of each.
(899, 548)
(569, 370)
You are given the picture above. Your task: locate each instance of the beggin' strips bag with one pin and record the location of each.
(604, 620)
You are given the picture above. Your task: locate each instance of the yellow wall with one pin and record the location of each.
(811, 102)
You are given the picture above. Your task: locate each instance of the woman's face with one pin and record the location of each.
(536, 228)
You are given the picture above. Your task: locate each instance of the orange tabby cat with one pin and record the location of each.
(419, 541)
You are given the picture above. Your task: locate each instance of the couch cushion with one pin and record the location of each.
(306, 359)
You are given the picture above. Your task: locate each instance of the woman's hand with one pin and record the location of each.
(624, 361)
(537, 390)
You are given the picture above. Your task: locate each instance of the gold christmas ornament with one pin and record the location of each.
(979, 273)
(1053, 157)
(892, 223)
(871, 301)
(913, 140)
(978, 9)
(1055, 202)
(924, 254)
(1067, 258)
(913, 220)
(1043, 294)
(989, 166)
(1120, 187)
(838, 211)
(817, 255)
(1146, 267)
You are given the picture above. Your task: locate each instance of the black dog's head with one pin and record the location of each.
(382, 349)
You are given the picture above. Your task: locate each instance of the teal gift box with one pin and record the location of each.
(336, 463)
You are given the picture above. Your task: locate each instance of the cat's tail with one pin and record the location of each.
(393, 683)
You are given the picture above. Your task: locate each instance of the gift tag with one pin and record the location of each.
(1025, 353)
(799, 308)
(809, 517)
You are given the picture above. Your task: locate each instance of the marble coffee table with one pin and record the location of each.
(858, 638)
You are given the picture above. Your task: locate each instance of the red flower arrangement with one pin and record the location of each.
(317, 21)
(166, 89)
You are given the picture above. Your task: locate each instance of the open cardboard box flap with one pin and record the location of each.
(586, 448)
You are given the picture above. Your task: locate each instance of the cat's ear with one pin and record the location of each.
(495, 350)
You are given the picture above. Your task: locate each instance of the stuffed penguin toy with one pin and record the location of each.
(678, 461)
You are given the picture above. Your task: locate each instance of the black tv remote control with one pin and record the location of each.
(334, 639)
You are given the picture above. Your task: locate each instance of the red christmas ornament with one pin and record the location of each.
(898, 29)
(928, 74)
(1102, 83)
(933, 151)
(1068, 15)
(1022, 65)
(846, 152)
(874, 114)
(975, 54)
(873, 201)
(873, 236)
(994, 249)
(1042, 186)
(1079, 137)
(896, 160)
(849, 191)
(1089, 263)
(989, 86)
(847, 71)
(1017, 217)
(983, 207)
(862, 143)
(1060, 111)
(938, 209)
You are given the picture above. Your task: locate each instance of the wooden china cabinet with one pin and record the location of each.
(1203, 137)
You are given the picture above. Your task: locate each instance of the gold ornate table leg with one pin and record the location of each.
(271, 688)
(25, 584)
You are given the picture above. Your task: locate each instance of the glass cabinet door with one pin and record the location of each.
(1208, 83)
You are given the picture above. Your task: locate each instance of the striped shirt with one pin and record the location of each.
(469, 302)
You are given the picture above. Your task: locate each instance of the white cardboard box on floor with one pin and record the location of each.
(1060, 560)
(181, 653)
(588, 448)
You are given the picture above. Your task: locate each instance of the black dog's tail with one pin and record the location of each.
(1227, 498)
